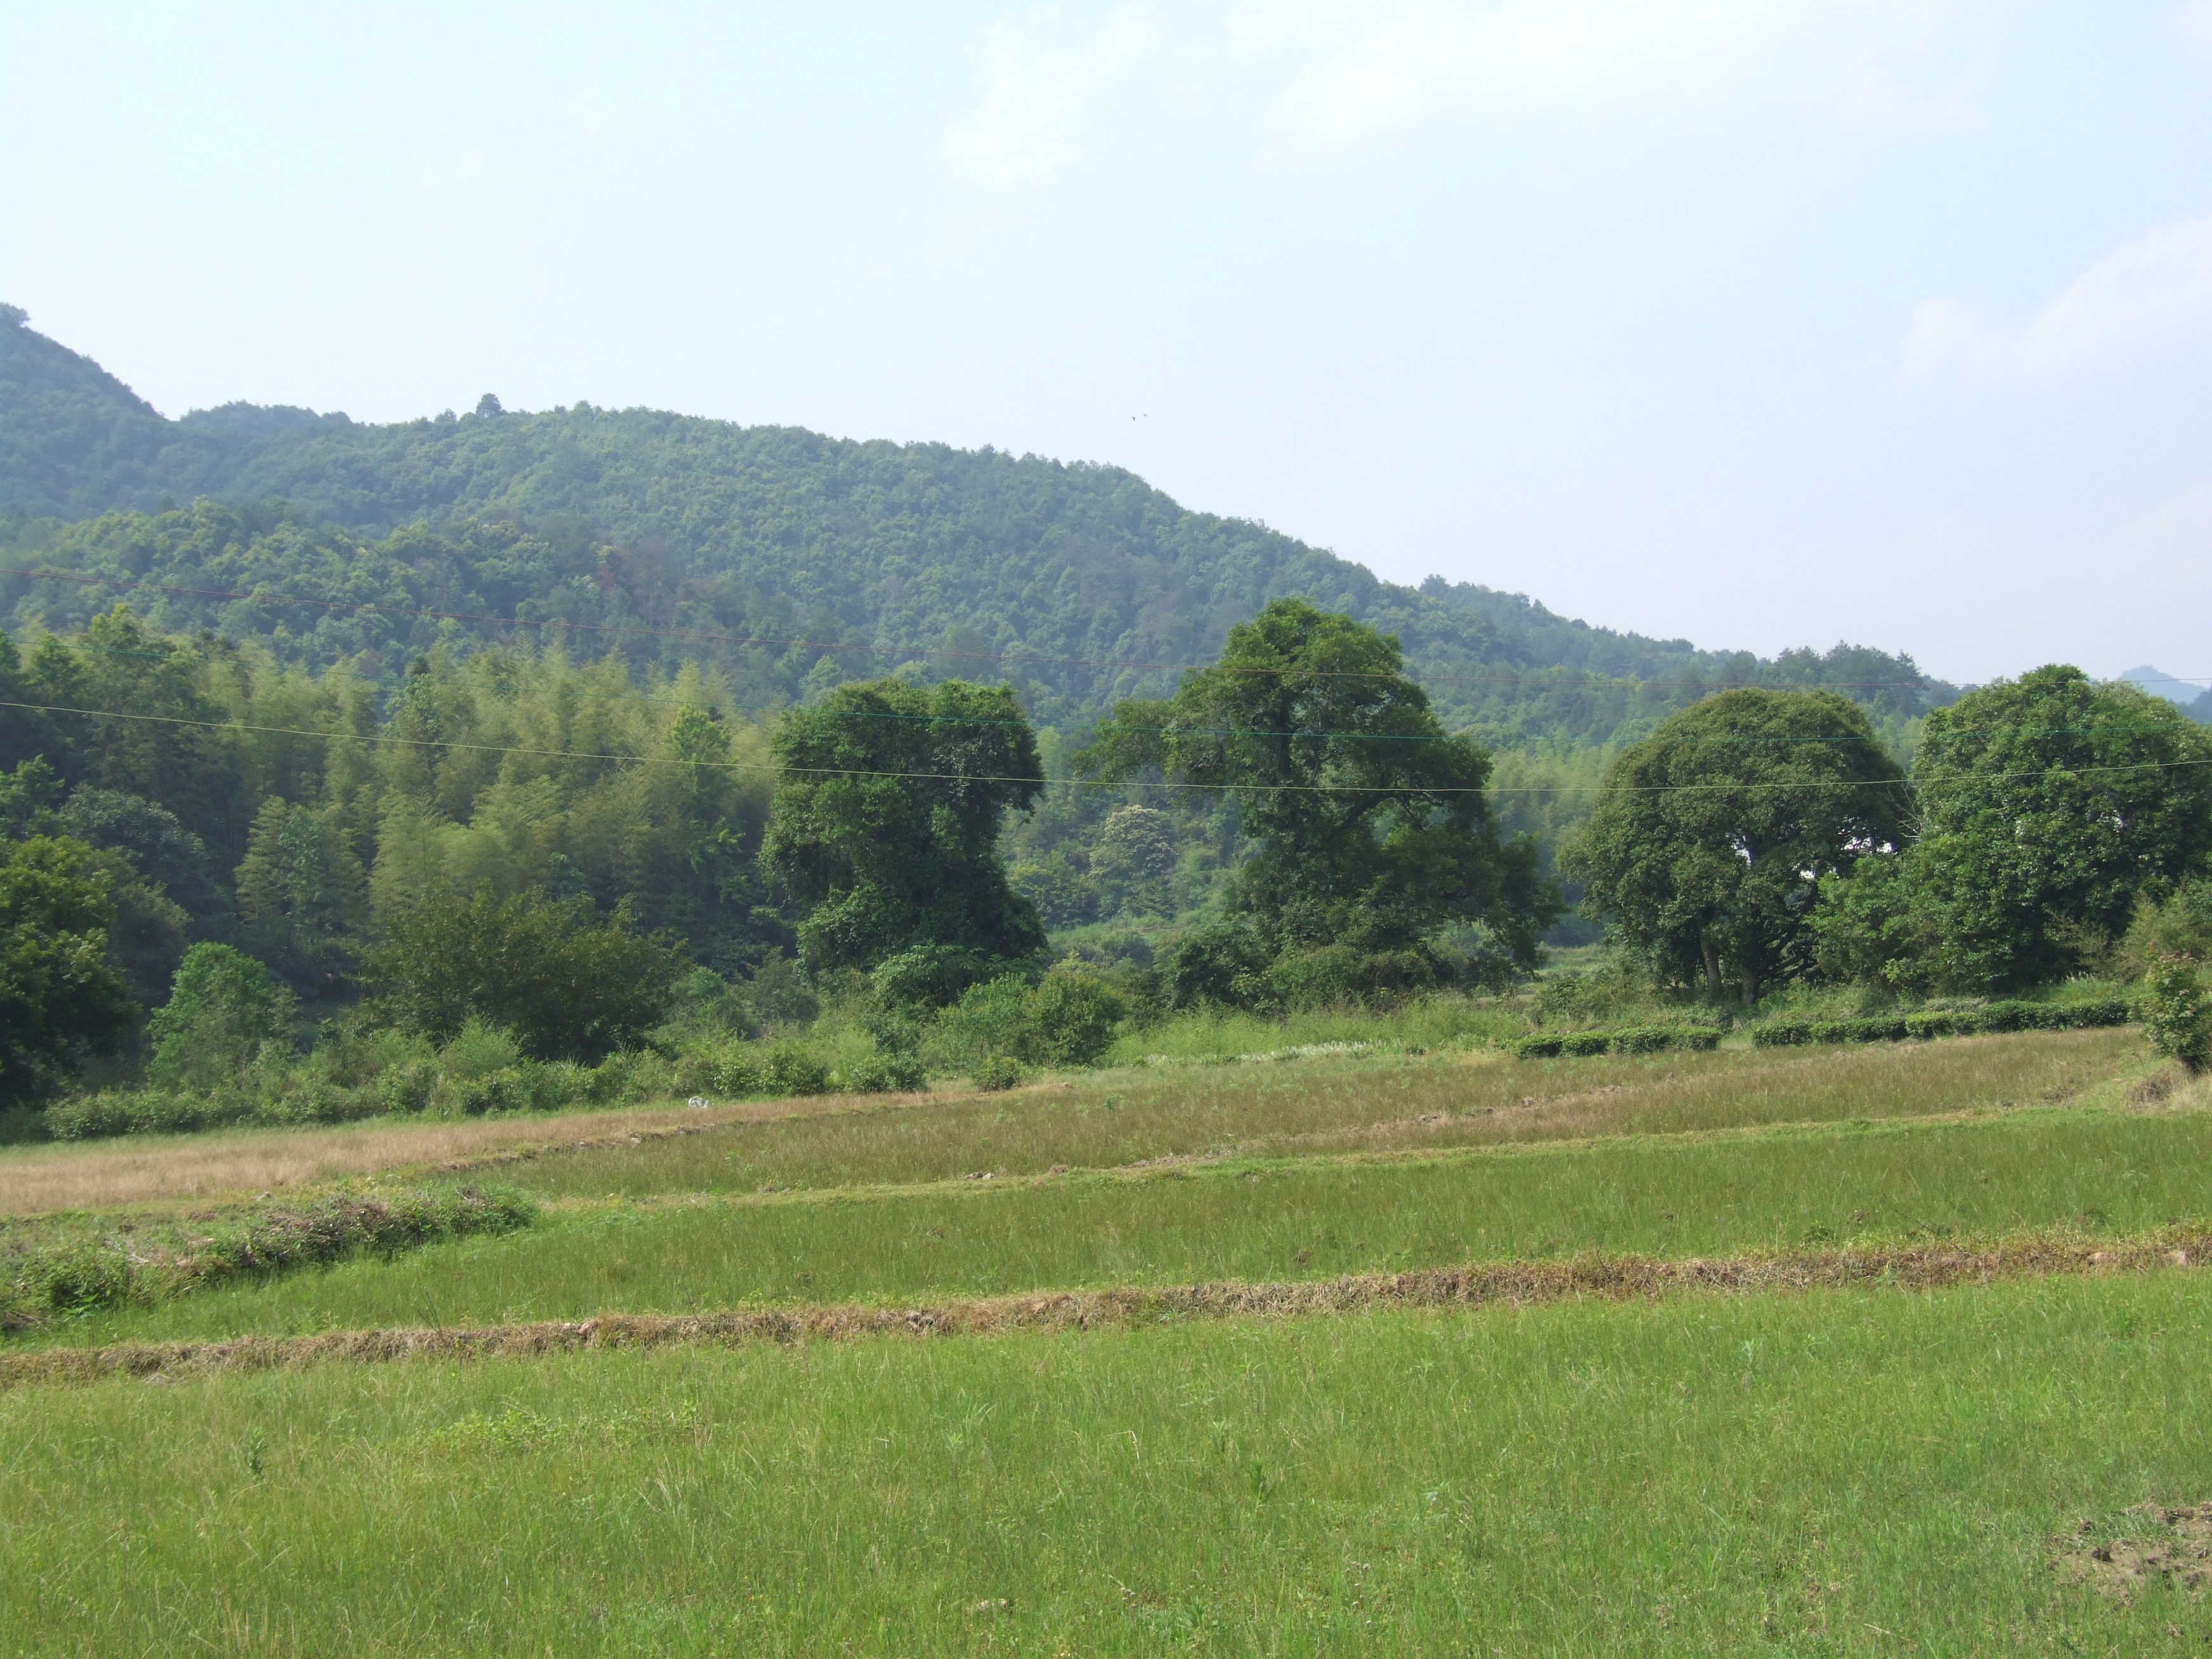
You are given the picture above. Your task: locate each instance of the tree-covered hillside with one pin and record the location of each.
(789, 560)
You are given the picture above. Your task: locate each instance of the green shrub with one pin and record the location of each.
(997, 1072)
(1067, 1019)
(1782, 1033)
(1070, 1018)
(1540, 1045)
(494, 1091)
(1577, 1044)
(1935, 1023)
(2176, 1014)
(788, 1069)
(407, 1087)
(1643, 1040)
(223, 1010)
(888, 1072)
(1697, 1037)
(737, 1072)
(478, 1050)
(1877, 1028)
(569, 983)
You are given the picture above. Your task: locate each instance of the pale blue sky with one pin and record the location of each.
(1759, 322)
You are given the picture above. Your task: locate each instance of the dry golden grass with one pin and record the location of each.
(1108, 1119)
(234, 1163)
(1112, 1120)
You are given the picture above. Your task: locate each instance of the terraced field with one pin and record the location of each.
(1882, 1349)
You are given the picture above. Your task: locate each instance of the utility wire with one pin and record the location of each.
(506, 692)
(1095, 783)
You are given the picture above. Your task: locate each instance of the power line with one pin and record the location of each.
(505, 692)
(1093, 783)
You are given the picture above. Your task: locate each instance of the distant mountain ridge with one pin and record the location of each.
(668, 535)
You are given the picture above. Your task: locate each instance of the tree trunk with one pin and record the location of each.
(1713, 971)
(1750, 985)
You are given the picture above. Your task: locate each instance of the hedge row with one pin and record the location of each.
(1637, 1040)
(1943, 1021)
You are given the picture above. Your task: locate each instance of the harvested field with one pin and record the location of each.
(220, 1164)
(1359, 1103)
(1923, 1267)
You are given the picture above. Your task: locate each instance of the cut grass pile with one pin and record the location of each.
(1829, 1473)
(2093, 1173)
(68, 1267)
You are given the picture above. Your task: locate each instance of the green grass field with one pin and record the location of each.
(1862, 1471)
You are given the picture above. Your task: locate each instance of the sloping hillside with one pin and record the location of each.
(789, 557)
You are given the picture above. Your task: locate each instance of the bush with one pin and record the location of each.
(223, 1010)
(568, 983)
(1578, 1044)
(2175, 1015)
(1781, 1033)
(407, 1087)
(1070, 1017)
(935, 976)
(788, 1069)
(1067, 1019)
(1540, 1045)
(479, 1050)
(1935, 1023)
(1643, 1040)
(889, 1072)
(1697, 1038)
(1225, 965)
(997, 1072)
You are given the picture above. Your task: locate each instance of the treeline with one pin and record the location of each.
(539, 851)
(2049, 827)
(503, 879)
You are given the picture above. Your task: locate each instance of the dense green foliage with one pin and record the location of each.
(1713, 839)
(2049, 806)
(1369, 831)
(785, 560)
(375, 687)
(223, 1012)
(2051, 809)
(2177, 1013)
(60, 997)
(889, 804)
(566, 981)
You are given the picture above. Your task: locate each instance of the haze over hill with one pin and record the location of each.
(791, 559)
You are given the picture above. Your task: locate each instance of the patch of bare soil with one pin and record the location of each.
(2175, 1550)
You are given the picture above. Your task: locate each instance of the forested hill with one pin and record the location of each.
(790, 559)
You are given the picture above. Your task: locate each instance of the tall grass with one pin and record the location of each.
(1343, 1104)
(1827, 1473)
(1311, 1219)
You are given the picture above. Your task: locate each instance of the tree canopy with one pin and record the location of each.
(2048, 805)
(60, 998)
(1368, 820)
(889, 802)
(1710, 843)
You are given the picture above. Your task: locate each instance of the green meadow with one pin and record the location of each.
(1874, 1470)
(1845, 1474)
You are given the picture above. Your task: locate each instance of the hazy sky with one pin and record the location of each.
(1757, 322)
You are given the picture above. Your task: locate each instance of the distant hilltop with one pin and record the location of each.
(794, 555)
